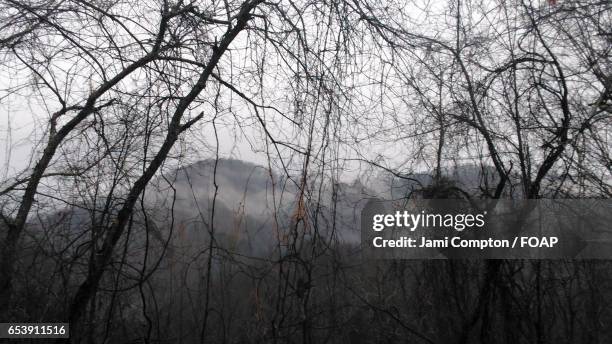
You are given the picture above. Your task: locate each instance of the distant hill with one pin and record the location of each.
(255, 209)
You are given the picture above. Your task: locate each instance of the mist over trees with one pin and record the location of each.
(130, 222)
